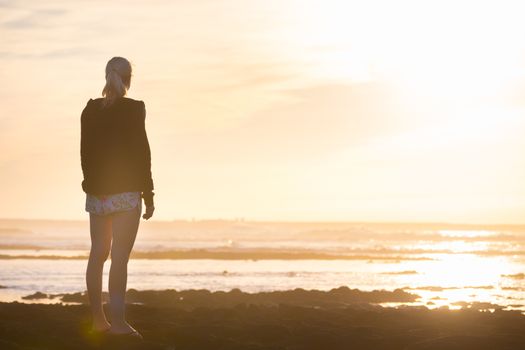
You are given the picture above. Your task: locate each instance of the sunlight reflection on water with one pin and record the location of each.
(472, 266)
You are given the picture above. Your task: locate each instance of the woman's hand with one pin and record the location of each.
(149, 212)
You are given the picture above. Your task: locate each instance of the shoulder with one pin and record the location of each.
(138, 106)
(93, 103)
(134, 102)
(88, 108)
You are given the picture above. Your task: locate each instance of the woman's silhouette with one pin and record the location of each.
(116, 164)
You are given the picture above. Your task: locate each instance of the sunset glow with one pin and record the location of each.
(295, 110)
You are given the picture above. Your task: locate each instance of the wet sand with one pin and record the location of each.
(342, 318)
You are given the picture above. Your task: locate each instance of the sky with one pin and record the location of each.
(276, 110)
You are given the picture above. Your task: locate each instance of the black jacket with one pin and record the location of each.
(114, 148)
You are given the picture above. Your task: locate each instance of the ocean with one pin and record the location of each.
(447, 265)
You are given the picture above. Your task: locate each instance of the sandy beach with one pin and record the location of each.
(342, 318)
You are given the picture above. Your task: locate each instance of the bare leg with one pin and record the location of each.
(100, 230)
(125, 227)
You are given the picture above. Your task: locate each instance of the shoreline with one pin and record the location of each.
(341, 318)
(190, 298)
(342, 296)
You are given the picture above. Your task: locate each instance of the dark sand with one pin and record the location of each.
(339, 319)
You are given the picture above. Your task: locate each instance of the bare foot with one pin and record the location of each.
(100, 326)
(121, 328)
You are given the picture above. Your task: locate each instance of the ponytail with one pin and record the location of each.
(118, 77)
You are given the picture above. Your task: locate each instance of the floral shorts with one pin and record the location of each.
(111, 203)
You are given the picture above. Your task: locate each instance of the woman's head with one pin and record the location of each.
(118, 79)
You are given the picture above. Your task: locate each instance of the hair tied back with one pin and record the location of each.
(118, 78)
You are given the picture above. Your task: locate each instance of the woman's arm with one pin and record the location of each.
(85, 154)
(147, 184)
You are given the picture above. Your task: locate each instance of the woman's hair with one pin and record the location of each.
(118, 79)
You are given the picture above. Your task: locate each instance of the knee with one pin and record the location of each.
(99, 256)
(119, 257)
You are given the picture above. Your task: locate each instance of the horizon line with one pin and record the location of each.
(247, 220)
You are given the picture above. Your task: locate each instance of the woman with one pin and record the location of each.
(116, 164)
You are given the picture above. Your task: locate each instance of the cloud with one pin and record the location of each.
(50, 54)
(240, 75)
(314, 122)
(33, 19)
(7, 3)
